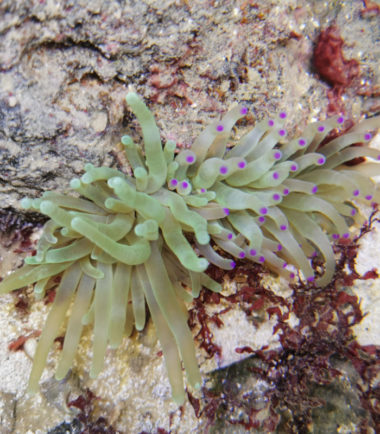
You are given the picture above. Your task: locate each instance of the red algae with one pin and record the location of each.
(333, 67)
(329, 61)
(88, 423)
(287, 389)
(18, 343)
(198, 316)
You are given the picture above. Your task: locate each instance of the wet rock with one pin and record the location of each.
(7, 412)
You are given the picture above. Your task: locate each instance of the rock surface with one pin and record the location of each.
(65, 68)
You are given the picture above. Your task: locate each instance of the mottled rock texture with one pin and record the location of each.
(65, 67)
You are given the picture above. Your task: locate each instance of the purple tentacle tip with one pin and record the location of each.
(302, 142)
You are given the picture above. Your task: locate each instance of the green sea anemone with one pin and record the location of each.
(121, 242)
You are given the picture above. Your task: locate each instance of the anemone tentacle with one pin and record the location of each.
(131, 240)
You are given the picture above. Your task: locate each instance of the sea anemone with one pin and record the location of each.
(121, 242)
